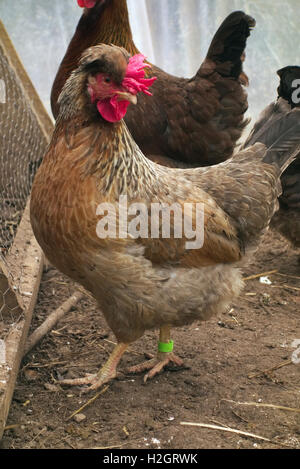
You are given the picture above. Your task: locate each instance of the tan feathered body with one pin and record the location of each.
(147, 283)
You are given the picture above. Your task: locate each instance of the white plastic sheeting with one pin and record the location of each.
(174, 34)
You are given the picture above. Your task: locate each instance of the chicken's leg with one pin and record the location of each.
(104, 375)
(164, 356)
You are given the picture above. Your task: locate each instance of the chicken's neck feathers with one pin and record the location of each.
(111, 24)
(123, 168)
(108, 152)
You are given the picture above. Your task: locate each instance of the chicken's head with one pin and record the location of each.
(114, 79)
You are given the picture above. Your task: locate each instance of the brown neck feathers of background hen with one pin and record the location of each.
(97, 25)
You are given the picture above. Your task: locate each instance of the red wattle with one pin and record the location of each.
(112, 110)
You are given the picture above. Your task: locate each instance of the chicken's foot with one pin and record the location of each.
(104, 375)
(163, 358)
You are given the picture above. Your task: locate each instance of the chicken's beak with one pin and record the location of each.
(126, 96)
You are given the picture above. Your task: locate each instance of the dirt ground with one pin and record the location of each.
(228, 360)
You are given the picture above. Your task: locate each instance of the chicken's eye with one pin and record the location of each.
(107, 79)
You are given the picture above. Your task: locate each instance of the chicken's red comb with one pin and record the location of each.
(86, 3)
(134, 79)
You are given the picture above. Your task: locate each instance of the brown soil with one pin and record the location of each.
(221, 355)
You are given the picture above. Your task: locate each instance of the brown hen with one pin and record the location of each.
(145, 282)
(189, 122)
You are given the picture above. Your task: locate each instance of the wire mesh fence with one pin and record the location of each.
(22, 145)
(21, 149)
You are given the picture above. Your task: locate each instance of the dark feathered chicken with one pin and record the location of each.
(287, 219)
(142, 276)
(194, 121)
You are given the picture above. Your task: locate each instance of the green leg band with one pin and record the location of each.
(166, 347)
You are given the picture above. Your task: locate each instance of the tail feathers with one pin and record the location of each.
(265, 121)
(282, 139)
(229, 42)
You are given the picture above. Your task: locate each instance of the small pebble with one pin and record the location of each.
(79, 418)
